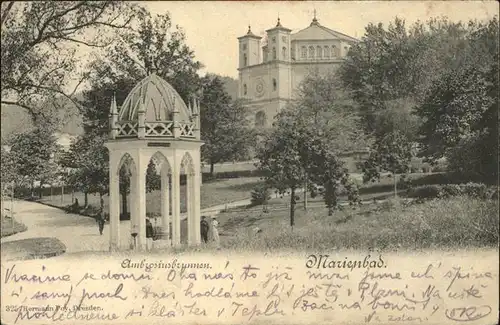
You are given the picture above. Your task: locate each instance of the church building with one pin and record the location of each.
(270, 73)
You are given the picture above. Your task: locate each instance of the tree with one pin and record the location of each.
(40, 41)
(32, 153)
(399, 62)
(88, 162)
(391, 153)
(151, 45)
(281, 157)
(460, 112)
(224, 125)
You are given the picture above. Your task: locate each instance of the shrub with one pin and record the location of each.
(450, 190)
(475, 190)
(260, 195)
(425, 192)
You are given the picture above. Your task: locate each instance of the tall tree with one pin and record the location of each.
(460, 112)
(40, 41)
(224, 125)
(33, 155)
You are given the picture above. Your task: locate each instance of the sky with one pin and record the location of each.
(212, 27)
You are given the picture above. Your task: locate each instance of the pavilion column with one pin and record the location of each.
(165, 207)
(176, 207)
(114, 208)
(189, 207)
(196, 205)
(140, 201)
(134, 212)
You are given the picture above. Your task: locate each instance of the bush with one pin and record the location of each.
(425, 192)
(475, 190)
(472, 190)
(450, 190)
(260, 195)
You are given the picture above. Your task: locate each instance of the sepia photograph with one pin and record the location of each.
(250, 162)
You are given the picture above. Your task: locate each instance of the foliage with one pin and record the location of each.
(461, 110)
(40, 41)
(7, 167)
(260, 195)
(473, 190)
(398, 63)
(392, 153)
(153, 179)
(32, 154)
(224, 125)
(152, 45)
(87, 163)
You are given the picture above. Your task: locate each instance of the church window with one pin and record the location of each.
(326, 52)
(275, 84)
(346, 49)
(274, 53)
(244, 46)
(274, 39)
(244, 89)
(319, 51)
(283, 53)
(311, 51)
(260, 119)
(304, 52)
(245, 60)
(335, 51)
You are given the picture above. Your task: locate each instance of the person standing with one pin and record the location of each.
(204, 228)
(100, 221)
(149, 234)
(215, 231)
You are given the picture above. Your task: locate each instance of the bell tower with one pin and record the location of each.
(249, 49)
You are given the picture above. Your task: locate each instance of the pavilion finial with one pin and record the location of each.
(315, 20)
(114, 108)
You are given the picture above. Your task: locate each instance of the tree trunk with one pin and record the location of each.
(101, 199)
(40, 190)
(305, 193)
(86, 200)
(32, 189)
(395, 185)
(330, 211)
(212, 169)
(292, 207)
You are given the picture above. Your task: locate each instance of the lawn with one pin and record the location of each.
(214, 192)
(440, 223)
(11, 227)
(32, 248)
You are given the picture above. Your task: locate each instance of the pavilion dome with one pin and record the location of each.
(157, 98)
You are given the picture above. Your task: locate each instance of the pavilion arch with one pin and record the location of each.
(126, 160)
(187, 164)
(161, 161)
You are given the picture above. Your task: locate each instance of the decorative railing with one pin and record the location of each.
(187, 129)
(159, 129)
(154, 129)
(127, 129)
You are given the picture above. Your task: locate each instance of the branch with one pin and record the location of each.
(82, 42)
(6, 12)
(8, 102)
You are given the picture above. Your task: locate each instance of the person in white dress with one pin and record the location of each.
(215, 231)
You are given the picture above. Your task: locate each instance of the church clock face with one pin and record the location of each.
(259, 88)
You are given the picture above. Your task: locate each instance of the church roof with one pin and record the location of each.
(157, 98)
(316, 31)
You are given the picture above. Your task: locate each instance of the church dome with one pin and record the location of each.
(157, 98)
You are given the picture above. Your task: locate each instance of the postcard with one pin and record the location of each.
(247, 162)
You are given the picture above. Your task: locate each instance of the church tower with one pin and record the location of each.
(249, 49)
(279, 58)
